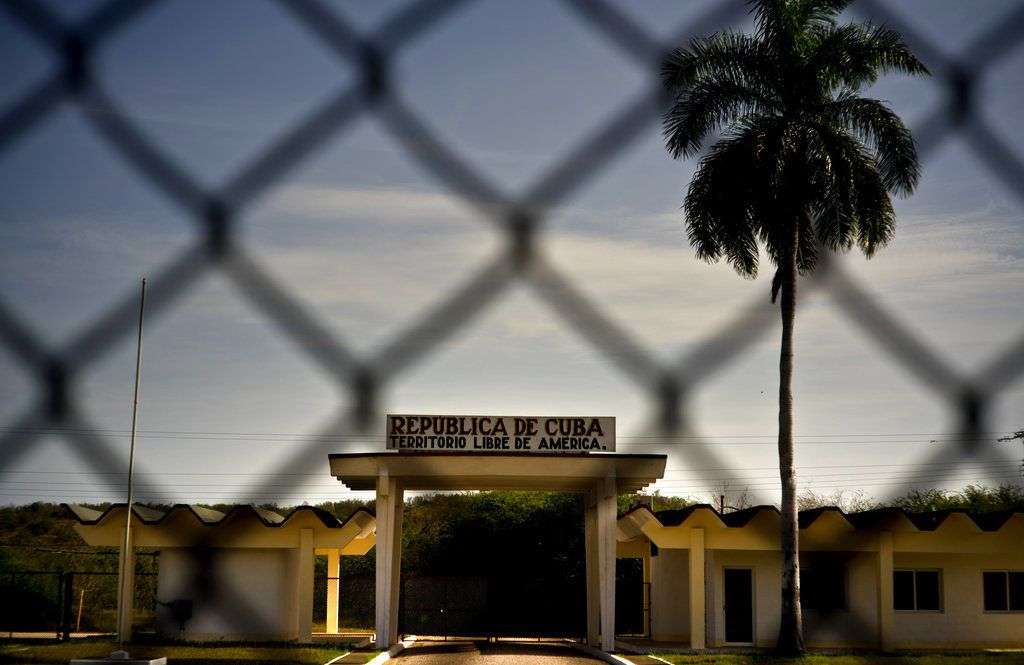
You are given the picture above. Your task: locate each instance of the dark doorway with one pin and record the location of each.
(739, 605)
(504, 564)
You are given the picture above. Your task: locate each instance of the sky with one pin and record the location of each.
(368, 241)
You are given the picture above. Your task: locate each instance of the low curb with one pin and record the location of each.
(610, 658)
(393, 651)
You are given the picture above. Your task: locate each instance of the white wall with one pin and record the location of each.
(767, 568)
(252, 594)
(963, 622)
(857, 626)
(670, 595)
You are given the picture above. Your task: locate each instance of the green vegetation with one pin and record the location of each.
(282, 654)
(973, 497)
(34, 652)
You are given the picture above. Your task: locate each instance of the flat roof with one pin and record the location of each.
(456, 470)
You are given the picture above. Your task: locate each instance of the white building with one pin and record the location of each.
(242, 575)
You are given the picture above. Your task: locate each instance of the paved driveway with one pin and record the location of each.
(500, 653)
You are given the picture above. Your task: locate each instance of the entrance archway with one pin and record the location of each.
(599, 476)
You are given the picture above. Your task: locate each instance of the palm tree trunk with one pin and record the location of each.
(791, 639)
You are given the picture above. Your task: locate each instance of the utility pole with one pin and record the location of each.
(127, 567)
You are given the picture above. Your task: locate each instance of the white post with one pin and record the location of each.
(607, 510)
(126, 565)
(333, 588)
(592, 566)
(696, 556)
(305, 584)
(126, 588)
(646, 561)
(389, 558)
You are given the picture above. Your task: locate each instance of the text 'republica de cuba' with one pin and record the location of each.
(500, 433)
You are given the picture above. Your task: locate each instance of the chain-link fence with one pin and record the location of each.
(63, 603)
(216, 213)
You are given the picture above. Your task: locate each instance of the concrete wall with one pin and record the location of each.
(857, 626)
(962, 622)
(252, 594)
(670, 604)
(767, 580)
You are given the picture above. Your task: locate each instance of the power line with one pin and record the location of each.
(322, 474)
(902, 481)
(952, 468)
(200, 435)
(684, 484)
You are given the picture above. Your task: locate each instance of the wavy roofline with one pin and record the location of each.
(860, 520)
(82, 514)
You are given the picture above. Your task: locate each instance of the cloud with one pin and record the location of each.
(386, 204)
(638, 269)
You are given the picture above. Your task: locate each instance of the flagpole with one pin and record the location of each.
(126, 559)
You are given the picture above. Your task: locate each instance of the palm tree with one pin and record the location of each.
(802, 164)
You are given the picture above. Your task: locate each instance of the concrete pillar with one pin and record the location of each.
(304, 580)
(126, 589)
(646, 560)
(711, 605)
(607, 509)
(333, 587)
(885, 600)
(592, 565)
(696, 557)
(389, 558)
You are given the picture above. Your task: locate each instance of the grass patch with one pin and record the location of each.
(977, 658)
(223, 654)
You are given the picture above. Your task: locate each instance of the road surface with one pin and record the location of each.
(499, 653)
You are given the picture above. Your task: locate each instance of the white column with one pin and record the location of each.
(304, 580)
(592, 566)
(885, 611)
(389, 558)
(607, 510)
(333, 587)
(126, 595)
(696, 556)
(646, 561)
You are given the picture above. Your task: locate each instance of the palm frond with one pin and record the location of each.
(883, 131)
(856, 54)
(876, 219)
(728, 198)
(705, 106)
(773, 24)
(802, 155)
(857, 206)
(812, 14)
(834, 156)
(727, 56)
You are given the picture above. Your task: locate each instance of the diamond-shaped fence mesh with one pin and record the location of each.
(517, 216)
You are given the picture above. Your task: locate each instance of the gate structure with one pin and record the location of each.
(600, 476)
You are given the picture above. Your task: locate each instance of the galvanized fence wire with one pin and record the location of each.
(518, 217)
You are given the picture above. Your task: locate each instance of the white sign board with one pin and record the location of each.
(519, 434)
